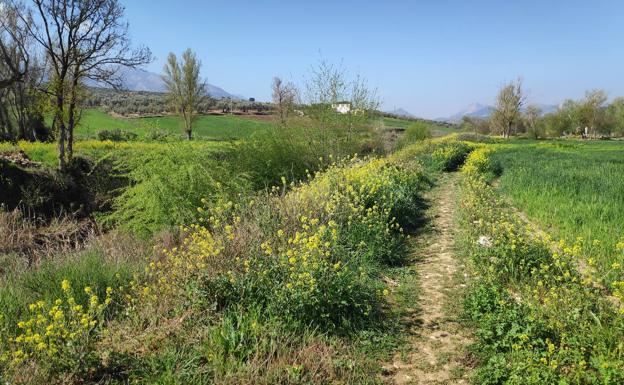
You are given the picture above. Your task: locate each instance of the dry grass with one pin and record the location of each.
(30, 242)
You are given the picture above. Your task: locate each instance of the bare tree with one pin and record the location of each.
(330, 85)
(284, 95)
(21, 71)
(186, 88)
(532, 118)
(509, 102)
(14, 55)
(82, 40)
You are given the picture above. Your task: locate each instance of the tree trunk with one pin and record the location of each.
(61, 126)
(71, 114)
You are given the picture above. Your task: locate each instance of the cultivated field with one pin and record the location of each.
(208, 127)
(574, 190)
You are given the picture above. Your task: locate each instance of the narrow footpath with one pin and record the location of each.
(437, 352)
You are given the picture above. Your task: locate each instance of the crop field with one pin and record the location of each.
(573, 190)
(208, 127)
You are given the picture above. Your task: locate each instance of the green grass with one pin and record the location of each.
(398, 123)
(572, 189)
(211, 127)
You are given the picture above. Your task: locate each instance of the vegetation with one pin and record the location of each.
(284, 98)
(415, 132)
(506, 114)
(185, 87)
(537, 318)
(284, 244)
(307, 259)
(571, 189)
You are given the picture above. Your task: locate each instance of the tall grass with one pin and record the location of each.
(167, 187)
(572, 189)
(537, 319)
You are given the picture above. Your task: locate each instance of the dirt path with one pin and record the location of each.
(437, 352)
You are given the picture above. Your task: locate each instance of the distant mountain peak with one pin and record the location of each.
(401, 112)
(474, 110)
(135, 79)
(483, 111)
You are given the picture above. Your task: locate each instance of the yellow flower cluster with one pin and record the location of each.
(479, 161)
(55, 330)
(168, 276)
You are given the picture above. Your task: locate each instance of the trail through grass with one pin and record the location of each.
(437, 338)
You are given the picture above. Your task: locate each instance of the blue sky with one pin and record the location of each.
(432, 58)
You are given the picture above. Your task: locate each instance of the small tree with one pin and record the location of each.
(507, 113)
(284, 95)
(533, 122)
(185, 87)
(592, 112)
(616, 115)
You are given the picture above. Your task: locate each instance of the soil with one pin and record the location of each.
(438, 340)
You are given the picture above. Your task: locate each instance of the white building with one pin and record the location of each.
(342, 107)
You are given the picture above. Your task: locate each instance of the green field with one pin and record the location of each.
(210, 127)
(397, 123)
(572, 189)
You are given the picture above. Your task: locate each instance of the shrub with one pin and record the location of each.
(293, 151)
(167, 186)
(415, 132)
(116, 135)
(480, 163)
(450, 155)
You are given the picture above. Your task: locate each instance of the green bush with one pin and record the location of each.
(415, 132)
(167, 187)
(116, 135)
(451, 155)
(293, 151)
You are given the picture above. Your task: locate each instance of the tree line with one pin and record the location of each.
(592, 117)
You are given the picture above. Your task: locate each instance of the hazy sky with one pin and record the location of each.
(432, 58)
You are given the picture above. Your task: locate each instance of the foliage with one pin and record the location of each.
(292, 151)
(415, 132)
(167, 186)
(451, 156)
(556, 183)
(185, 87)
(267, 271)
(116, 135)
(506, 114)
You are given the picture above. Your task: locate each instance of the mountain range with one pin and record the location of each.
(141, 80)
(478, 110)
(401, 112)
